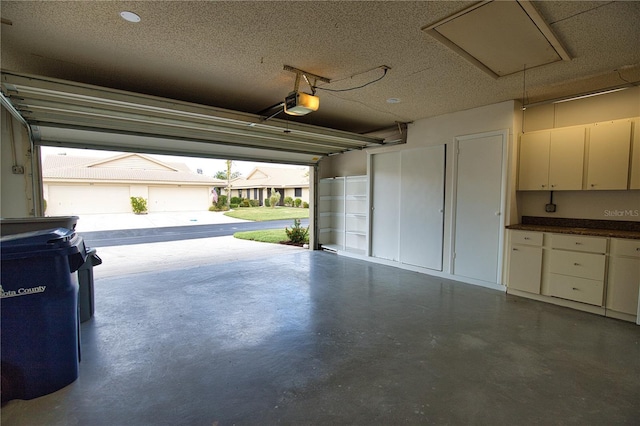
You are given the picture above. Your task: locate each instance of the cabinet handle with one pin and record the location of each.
(637, 248)
(575, 288)
(578, 243)
(553, 185)
(515, 249)
(593, 185)
(543, 186)
(527, 238)
(576, 264)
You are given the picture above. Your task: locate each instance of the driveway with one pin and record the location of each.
(170, 255)
(154, 257)
(109, 222)
(123, 237)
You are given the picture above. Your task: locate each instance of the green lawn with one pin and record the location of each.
(260, 214)
(265, 236)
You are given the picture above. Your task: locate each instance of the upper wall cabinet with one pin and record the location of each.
(608, 164)
(551, 160)
(634, 182)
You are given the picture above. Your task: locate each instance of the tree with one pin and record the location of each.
(228, 183)
(222, 175)
(228, 176)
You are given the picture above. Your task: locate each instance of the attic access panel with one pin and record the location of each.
(64, 113)
(500, 37)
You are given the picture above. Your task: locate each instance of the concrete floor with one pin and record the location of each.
(312, 338)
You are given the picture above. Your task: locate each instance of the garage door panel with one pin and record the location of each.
(87, 199)
(178, 198)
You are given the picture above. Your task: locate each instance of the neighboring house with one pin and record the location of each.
(289, 182)
(83, 185)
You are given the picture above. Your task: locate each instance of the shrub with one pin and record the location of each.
(139, 205)
(235, 200)
(297, 202)
(297, 234)
(275, 198)
(233, 206)
(305, 205)
(254, 203)
(221, 205)
(288, 201)
(222, 201)
(245, 203)
(267, 203)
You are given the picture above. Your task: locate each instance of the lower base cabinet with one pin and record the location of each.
(594, 274)
(624, 276)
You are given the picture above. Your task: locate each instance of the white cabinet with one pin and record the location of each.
(576, 267)
(407, 218)
(533, 165)
(594, 274)
(566, 159)
(525, 261)
(624, 276)
(609, 148)
(343, 213)
(552, 160)
(634, 182)
(356, 214)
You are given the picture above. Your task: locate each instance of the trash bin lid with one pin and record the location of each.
(19, 225)
(45, 243)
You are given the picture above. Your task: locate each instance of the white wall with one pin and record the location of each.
(440, 130)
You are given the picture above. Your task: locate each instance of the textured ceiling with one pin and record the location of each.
(231, 54)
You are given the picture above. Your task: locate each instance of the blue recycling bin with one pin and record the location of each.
(40, 329)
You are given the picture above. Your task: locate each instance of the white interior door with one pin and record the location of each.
(478, 207)
(385, 227)
(422, 206)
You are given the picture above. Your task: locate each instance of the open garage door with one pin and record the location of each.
(78, 115)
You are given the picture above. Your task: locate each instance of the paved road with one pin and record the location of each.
(123, 237)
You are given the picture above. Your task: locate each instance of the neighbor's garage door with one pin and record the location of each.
(66, 200)
(178, 199)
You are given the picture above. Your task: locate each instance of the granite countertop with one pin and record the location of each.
(597, 228)
(611, 233)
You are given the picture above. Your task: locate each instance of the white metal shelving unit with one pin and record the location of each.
(343, 214)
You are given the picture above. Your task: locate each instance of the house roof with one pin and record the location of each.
(121, 168)
(270, 177)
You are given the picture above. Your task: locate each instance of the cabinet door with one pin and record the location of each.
(525, 266)
(566, 159)
(533, 165)
(623, 285)
(608, 166)
(421, 206)
(385, 226)
(635, 158)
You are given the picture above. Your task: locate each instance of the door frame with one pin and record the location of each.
(503, 199)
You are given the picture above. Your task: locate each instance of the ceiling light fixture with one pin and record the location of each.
(588, 95)
(130, 16)
(299, 103)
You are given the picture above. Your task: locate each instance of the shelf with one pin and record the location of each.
(344, 205)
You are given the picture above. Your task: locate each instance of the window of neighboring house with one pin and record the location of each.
(240, 193)
(255, 193)
(298, 192)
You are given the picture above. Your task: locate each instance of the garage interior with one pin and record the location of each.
(369, 335)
